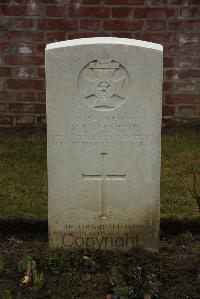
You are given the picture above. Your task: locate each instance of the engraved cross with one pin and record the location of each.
(103, 177)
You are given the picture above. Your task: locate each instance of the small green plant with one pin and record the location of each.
(135, 285)
(61, 260)
(120, 287)
(38, 280)
(26, 263)
(2, 263)
(137, 272)
(32, 277)
(7, 295)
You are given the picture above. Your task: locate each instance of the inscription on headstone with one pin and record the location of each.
(103, 124)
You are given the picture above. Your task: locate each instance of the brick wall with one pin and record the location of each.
(26, 26)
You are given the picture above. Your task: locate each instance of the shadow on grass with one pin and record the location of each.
(168, 226)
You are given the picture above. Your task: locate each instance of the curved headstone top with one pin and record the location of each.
(105, 40)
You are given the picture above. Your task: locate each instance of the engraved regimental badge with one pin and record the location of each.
(104, 84)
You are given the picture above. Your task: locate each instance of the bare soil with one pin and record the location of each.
(176, 268)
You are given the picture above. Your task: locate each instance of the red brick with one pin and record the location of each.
(95, 12)
(156, 25)
(157, 2)
(189, 37)
(3, 107)
(190, 12)
(180, 98)
(198, 62)
(168, 62)
(156, 13)
(185, 86)
(91, 2)
(42, 1)
(122, 12)
(168, 85)
(5, 71)
(24, 120)
(5, 22)
(58, 1)
(56, 36)
(55, 11)
(123, 25)
(187, 62)
(24, 49)
(6, 120)
(188, 111)
(23, 60)
(13, 10)
(41, 120)
(21, 108)
(90, 24)
(4, 95)
(180, 74)
(185, 25)
(122, 34)
(36, 10)
(24, 72)
(40, 96)
(85, 34)
(58, 24)
(21, 10)
(184, 49)
(156, 37)
(125, 2)
(40, 108)
(168, 110)
(40, 72)
(24, 23)
(24, 84)
(25, 36)
(25, 96)
(40, 48)
(183, 2)
(4, 46)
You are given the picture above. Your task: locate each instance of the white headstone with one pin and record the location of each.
(104, 127)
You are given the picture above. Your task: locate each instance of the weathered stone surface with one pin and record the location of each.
(104, 121)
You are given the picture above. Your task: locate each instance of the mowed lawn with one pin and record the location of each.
(23, 175)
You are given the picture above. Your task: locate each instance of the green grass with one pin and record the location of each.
(180, 157)
(23, 179)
